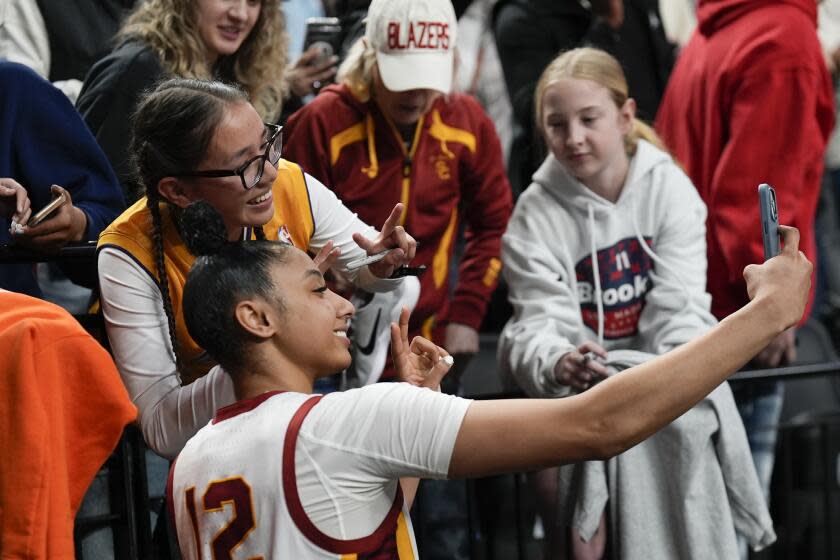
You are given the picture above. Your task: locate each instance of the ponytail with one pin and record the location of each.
(643, 131)
(224, 273)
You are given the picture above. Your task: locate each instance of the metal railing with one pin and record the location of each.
(796, 539)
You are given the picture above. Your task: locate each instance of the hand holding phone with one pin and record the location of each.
(325, 33)
(769, 220)
(49, 210)
(58, 223)
(316, 67)
(14, 203)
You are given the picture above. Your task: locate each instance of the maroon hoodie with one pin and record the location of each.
(750, 101)
(452, 172)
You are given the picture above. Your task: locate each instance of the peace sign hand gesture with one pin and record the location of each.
(394, 237)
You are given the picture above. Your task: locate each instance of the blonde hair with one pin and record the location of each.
(356, 72)
(168, 27)
(600, 67)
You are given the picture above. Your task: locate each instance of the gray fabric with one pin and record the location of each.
(683, 493)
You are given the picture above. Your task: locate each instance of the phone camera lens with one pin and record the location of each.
(773, 207)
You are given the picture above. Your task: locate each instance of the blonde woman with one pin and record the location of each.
(239, 41)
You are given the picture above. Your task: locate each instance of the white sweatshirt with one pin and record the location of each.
(653, 297)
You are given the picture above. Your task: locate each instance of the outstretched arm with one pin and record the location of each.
(498, 436)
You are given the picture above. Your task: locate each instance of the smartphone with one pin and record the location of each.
(769, 220)
(48, 210)
(325, 34)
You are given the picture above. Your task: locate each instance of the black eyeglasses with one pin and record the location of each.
(251, 171)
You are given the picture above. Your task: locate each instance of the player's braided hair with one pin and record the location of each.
(224, 273)
(173, 127)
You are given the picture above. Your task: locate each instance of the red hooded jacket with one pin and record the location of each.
(453, 171)
(750, 101)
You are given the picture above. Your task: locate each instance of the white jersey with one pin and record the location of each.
(290, 475)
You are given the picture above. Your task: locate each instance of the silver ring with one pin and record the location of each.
(316, 84)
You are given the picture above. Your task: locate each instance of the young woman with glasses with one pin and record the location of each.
(203, 140)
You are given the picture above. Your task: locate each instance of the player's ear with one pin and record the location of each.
(255, 316)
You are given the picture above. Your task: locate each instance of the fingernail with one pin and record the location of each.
(449, 360)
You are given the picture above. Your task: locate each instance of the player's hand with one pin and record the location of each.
(781, 285)
(326, 257)
(421, 363)
(780, 352)
(394, 237)
(66, 225)
(14, 202)
(577, 370)
(310, 71)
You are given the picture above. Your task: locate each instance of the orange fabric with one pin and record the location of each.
(62, 411)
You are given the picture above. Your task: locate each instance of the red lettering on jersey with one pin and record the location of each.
(235, 492)
(444, 35)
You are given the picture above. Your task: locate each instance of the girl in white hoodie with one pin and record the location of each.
(606, 249)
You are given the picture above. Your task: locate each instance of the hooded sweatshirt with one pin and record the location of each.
(649, 275)
(451, 172)
(750, 102)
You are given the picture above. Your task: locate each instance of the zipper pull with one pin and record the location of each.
(407, 166)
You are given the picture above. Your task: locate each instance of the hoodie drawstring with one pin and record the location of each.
(596, 273)
(373, 169)
(689, 301)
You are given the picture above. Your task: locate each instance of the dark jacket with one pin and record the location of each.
(80, 33)
(44, 142)
(109, 97)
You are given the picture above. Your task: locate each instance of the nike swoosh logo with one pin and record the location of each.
(368, 348)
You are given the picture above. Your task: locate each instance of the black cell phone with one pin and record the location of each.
(769, 221)
(325, 33)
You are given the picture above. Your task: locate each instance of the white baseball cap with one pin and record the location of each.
(414, 42)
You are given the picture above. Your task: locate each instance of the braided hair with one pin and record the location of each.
(225, 273)
(173, 127)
